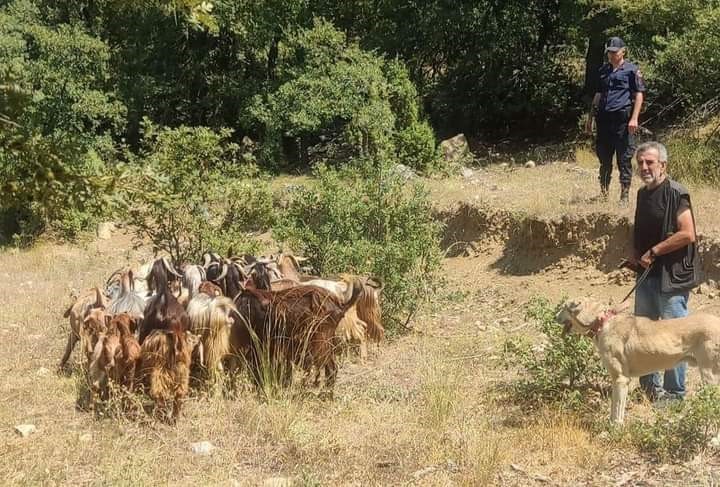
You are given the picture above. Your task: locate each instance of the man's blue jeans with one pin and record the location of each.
(652, 303)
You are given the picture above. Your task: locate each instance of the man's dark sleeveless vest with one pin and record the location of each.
(681, 269)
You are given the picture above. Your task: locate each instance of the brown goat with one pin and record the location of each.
(163, 311)
(362, 322)
(77, 312)
(93, 328)
(128, 356)
(102, 363)
(210, 288)
(165, 368)
(289, 266)
(296, 325)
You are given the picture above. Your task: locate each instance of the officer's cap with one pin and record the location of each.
(614, 44)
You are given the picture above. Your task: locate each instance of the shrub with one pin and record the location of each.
(693, 160)
(561, 371)
(681, 431)
(696, 78)
(59, 112)
(188, 194)
(337, 101)
(366, 220)
(416, 147)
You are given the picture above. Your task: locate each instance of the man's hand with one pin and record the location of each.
(632, 126)
(646, 260)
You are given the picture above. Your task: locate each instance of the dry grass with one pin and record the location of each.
(559, 189)
(425, 410)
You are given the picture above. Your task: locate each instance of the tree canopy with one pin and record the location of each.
(308, 81)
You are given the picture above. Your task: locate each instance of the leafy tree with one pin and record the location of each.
(341, 100)
(59, 113)
(188, 193)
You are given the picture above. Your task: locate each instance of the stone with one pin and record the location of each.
(42, 371)
(424, 471)
(202, 448)
(404, 172)
(530, 164)
(85, 437)
(25, 430)
(703, 289)
(504, 165)
(715, 441)
(104, 230)
(467, 173)
(455, 148)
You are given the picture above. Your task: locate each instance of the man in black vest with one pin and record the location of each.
(619, 89)
(664, 238)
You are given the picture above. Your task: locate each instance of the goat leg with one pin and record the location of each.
(177, 404)
(130, 377)
(72, 340)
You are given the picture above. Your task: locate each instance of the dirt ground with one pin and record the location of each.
(428, 408)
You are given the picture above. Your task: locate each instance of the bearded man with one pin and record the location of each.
(664, 240)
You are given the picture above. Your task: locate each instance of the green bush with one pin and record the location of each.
(59, 113)
(693, 160)
(188, 194)
(695, 78)
(416, 147)
(562, 372)
(366, 220)
(337, 101)
(682, 430)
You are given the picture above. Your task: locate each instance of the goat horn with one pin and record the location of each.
(375, 282)
(206, 260)
(249, 268)
(240, 269)
(119, 271)
(170, 267)
(223, 273)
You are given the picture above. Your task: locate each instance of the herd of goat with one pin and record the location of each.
(260, 314)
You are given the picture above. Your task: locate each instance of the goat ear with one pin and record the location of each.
(134, 322)
(108, 319)
(99, 299)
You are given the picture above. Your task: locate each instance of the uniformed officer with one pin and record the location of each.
(616, 107)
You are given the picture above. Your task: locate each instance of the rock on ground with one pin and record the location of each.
(25, 430)
(455, 148)
(202, 448)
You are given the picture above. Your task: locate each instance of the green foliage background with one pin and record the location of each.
(174, 113)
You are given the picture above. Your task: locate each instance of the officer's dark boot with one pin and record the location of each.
(604, 191)
(624, 194)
